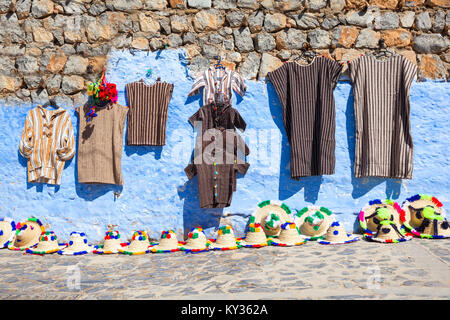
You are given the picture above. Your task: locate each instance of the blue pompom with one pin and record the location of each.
(335, 232)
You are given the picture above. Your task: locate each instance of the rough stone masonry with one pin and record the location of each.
(52, 48)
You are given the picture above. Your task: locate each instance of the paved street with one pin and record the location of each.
(416, 269)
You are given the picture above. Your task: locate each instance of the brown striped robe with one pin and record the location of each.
(147, 117)
(383, 142)
(47, 141)
(306, 95)
(100, 144)
(215, 81)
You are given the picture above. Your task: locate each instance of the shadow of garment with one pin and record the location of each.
(143, 150)
(287, 186)
(363, 185)
(193, 215)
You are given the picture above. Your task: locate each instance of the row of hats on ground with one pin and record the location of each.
(272, 223)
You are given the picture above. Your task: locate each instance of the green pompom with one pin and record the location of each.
(252, 219)
(326, 211)
(319, 215)
(316, 228)
(429, 213)
(383, 213)
(301, 212)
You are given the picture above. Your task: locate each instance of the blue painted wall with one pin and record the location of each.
(157, 195)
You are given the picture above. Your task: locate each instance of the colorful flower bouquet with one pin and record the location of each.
(99, 93)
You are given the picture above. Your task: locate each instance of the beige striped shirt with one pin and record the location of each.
(47, 142)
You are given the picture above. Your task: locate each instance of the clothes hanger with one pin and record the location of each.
(306, 53)
(382, 51)
(218, 65)
(51, 103)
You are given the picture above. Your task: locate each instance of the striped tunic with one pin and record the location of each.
(100, 144)
(383, 142)
(218, 81)
(306, 95)
(147, 117)
(47, 141)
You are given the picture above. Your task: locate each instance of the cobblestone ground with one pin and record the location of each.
(417, 269)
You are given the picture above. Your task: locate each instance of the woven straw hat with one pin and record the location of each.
(196, 241)
(139, 244)
(111, 244)
(271, 215)
(380, 221)
(167, 243)
(336, 234)
(7, 231)
(78, 245)
(225, 239)
(289, 236)
(425, 217)
(313, 221)
(27, 234)
(48, 243)
(255, 237)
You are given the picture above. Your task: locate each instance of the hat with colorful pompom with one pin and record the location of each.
(336, 234)
(78, 245)
(380, 222)
(254, 238)
(167, 243)
(225, 239)
(27, 234)
(48, 243)
(289, 236)
(111, 243)
(7, 232)
(139, 244)
(313, 221)
(425, 217)
(271, 215)
(196, 241)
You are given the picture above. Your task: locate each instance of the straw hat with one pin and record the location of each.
(112, 243)
(255, 237)
(167, 243)
(27, 234)
(336, 234)
(7, 231)
(289, 236)
(78, 245)
(47, 244)
(425, 217)
(380, 221)
(271, 215)
(313, 221)
(196, 241)
(139, 244)
(225, 239)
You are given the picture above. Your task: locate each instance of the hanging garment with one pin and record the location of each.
(100, 144)
(47, 141)
(217, 168)
(383, 142)
(147, 117)
(219, 116)
(218, 81)
(306, 95)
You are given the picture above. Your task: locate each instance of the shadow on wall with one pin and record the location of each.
(362, 186)
(287, 187)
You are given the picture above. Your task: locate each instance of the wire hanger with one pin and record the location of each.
(218, 65)
(51, 103)
(382, 51)
(306, 53)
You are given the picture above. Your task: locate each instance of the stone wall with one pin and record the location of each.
(51, 48)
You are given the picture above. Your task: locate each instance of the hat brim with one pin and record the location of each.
(156, 248)
(68, 252)
(271, 206)
(244, 244)
(189, 249)
(40, 229)
(406, 218)
(35, 251)
(380, 240)
(276, 242)
(215, 246)
(100, 249)
(10, 238)
(350, 239)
